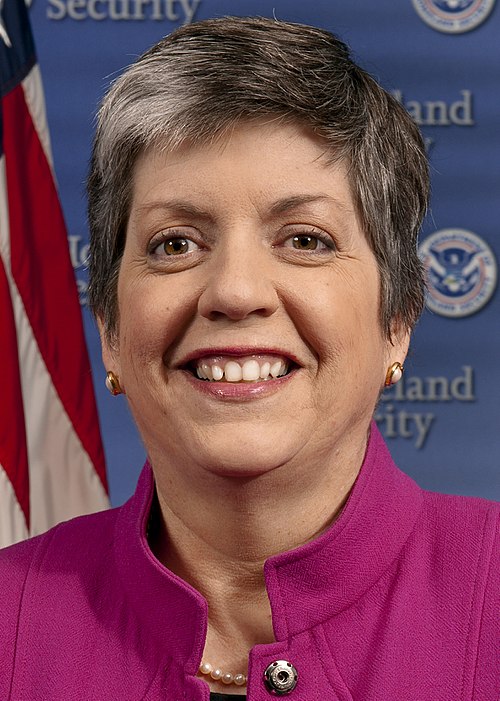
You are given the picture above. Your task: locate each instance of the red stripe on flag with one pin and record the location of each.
(41, 268)
(13, 450)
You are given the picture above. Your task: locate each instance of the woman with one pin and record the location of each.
(254, 204)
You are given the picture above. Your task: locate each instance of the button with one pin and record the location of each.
(281, 677)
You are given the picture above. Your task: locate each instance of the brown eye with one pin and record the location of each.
(305, 243)
(174, 247)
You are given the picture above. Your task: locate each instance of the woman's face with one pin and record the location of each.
(247, 258)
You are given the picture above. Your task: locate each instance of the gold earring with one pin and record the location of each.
(113, 383)
(394, 374)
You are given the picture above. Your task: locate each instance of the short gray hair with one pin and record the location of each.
(200, 81)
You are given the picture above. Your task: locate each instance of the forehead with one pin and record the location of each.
(257, 163)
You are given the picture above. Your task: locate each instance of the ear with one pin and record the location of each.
(109, 349)
(398, 343)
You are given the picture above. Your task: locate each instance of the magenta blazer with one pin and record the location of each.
(397, 601)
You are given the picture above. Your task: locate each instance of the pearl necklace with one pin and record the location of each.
(218, 675)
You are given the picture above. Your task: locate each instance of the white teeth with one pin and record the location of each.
(233, 371)
(250, 370)
(265, 369)
(247, 370)
(276, 368)
(205, 372)
(217, 372)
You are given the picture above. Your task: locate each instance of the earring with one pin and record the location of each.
(113, 383)
(394, 374)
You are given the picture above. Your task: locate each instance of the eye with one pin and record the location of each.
(305, 243)
(173, 246)
(309, 241)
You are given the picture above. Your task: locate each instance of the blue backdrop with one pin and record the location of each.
(440, 58)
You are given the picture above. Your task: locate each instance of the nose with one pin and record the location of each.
(240, 283)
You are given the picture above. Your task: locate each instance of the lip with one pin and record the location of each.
(238, 391)
(237, 351)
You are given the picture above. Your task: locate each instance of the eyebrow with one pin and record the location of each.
(177, 206)
(295, 201)
(281, 206)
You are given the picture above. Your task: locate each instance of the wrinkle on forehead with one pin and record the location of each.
(306, 184)
(162, 145)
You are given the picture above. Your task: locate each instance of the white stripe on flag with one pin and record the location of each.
(63, 481)
(12, 523)
(35, 101)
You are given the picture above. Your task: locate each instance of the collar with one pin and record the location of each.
(306, 586)
(327, 575)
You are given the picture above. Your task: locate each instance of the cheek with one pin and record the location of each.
(144, 322)
(343, 316)
(155, 314)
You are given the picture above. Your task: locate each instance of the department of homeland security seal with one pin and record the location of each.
(461, 272)
(453, 16)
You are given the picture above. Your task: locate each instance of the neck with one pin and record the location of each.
(239, 522)
(217, 531)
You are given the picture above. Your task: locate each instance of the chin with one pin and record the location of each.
(246, 458)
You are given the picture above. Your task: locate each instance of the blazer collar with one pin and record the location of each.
(306, 586)
(322, 578)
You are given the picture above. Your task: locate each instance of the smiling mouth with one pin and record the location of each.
(247, 369)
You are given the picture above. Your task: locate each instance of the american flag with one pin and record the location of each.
(51, 455)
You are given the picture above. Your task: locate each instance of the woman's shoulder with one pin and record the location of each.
(456, 542)
(37, 573)
(458, 539)
(472, 517)
(458, 528)
(78, 540)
